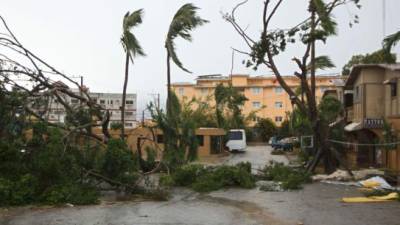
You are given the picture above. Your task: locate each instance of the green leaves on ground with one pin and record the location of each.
(290, 178)
(206, 179)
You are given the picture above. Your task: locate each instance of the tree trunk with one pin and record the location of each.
(318, 150)
(124, 97)
(168, 81)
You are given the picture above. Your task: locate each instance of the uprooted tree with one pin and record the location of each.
(49, 162)
(318, 27)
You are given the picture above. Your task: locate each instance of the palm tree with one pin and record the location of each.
(184, 21)
(390, 41)
(132, 48)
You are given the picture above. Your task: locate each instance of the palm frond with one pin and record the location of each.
(184, 21)
(321, 63)
(390, 41)
(132, 19)
(131, 45)
(327, 22)
(129, 41)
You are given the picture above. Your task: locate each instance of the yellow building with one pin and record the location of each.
(263, 93)
(210, 140)
(371, 98)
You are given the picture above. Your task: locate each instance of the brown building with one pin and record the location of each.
(264, 92)
(371, 98)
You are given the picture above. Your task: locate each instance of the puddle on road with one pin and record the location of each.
(251, 209)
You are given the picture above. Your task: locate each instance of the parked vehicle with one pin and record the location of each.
(236, 140)
(285, 144)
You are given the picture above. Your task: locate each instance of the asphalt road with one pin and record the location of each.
(316, 204)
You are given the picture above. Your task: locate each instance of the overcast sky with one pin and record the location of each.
(81, 37)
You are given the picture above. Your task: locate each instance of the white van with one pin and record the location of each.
(236, 140)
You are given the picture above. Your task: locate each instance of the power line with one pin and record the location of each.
(363, 144)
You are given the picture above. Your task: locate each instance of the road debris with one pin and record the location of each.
(389, 197)
(342, 175)
(269, 186)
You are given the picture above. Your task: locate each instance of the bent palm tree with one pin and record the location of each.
(390, 41)
(132, 48)
(184, 21)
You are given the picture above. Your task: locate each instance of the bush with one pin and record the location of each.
(150, 162)
(71, 193)
(187, 174)
(246, 166)
(166, 180)
(290, 178)
(22, 191)
(266, 128)
(207, 183)
(119, 163)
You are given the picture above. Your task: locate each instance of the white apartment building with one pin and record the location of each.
(110, 101)
(113, 102)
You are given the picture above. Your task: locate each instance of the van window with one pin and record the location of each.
(235, 135)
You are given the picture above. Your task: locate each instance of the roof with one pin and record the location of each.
(355, 71)
(182, 84)
(340, 82)
(211, 131)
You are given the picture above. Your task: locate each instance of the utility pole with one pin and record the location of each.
(384, 18)
(143, 117)
(156, 99)
(81, 86)
(232, 63)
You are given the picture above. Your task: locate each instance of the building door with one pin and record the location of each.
(216, 144)
(366, 155)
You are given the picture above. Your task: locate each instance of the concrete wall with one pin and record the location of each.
(148, 136)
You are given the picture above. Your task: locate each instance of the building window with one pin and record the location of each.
(393, 89)
(102, 101)
(204, 91)
(129, 102)
(278, 90)
(160, 139)
(256, 105)
(111, 102)
(278, 119)
(200, 140)
(128, 113)
(278, 105)
(357, 94)
(128, 124)
(256, 90)
(181, 91)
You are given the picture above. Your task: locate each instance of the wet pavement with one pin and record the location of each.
(316, 204)
(257, 155)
